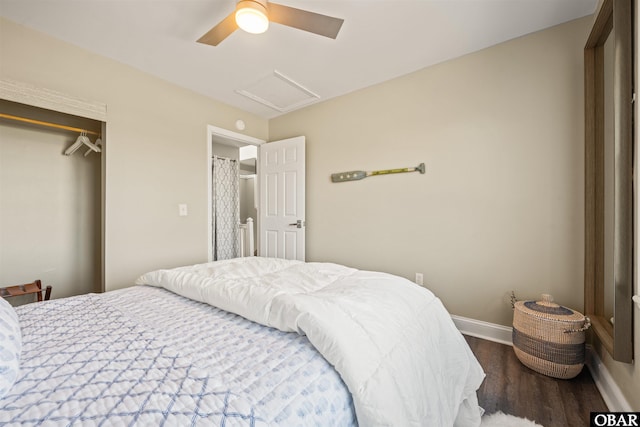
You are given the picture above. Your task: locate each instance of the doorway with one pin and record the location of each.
(232, 147)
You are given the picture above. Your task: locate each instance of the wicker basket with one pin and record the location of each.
(549, 338)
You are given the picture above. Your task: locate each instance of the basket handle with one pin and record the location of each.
(587, 325)
(513, 300)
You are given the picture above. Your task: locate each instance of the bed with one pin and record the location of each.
(243, 342)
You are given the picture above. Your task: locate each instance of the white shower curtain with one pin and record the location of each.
(226, 208)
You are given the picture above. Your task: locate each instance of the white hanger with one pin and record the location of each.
(80, 141)
(74, 147)
(93, 147)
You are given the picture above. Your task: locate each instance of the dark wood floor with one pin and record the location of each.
(514, 389)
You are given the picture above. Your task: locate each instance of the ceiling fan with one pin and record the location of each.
(254, 16)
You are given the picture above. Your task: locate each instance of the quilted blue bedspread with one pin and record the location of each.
(145, 356)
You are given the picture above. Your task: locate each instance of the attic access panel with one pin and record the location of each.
(279, 92)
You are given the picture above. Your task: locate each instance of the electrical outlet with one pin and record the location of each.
(419, 279)
(182, 210)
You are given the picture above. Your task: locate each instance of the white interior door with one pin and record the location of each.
(281, 176)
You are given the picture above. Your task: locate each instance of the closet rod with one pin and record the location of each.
(41, 123)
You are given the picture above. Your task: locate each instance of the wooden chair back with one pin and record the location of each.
(26, 289)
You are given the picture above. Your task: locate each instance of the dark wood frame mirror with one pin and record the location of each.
(615, 18)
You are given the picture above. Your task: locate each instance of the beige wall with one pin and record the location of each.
(500, 207)
(155, 149)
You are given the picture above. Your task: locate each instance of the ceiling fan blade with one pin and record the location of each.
(312, 22)
(220, 32)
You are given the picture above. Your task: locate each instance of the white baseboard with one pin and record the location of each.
(611, 393)
(484, 330)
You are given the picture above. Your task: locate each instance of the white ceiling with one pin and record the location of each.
(380, 39)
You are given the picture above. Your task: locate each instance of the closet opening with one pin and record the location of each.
(50, 202)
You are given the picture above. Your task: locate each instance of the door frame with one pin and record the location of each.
(241, 139)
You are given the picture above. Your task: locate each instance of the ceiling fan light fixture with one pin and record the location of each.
(251, 16)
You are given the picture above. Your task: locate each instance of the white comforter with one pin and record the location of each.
(392, 341)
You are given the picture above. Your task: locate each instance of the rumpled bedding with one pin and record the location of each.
(392, 342)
